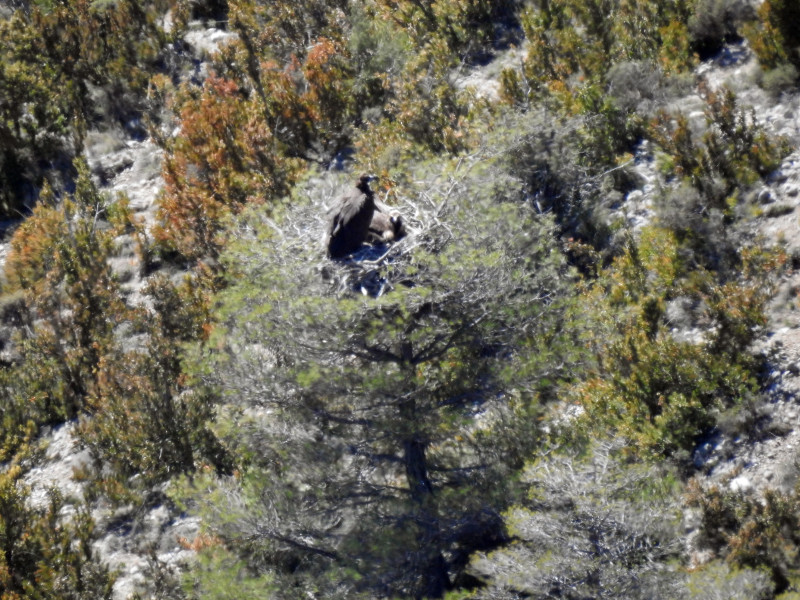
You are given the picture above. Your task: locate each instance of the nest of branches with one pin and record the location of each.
(299, 242)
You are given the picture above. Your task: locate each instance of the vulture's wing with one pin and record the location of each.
(335, 223)
(349, 206)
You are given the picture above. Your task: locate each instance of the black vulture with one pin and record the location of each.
(385, 228)
(350, 219)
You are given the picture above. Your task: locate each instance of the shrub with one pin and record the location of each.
(580, 53)
(34, 121)
(144, 418)
(426, 114)
(296, 60)
(379, 51)
(283, 30)
(58, 259)
(43, 555)
(220, 574)
(774, 36)
(748, 531)
(659, 392)
(721, 581)
(223, 159)
(716, 22)
(635, 86)
(137, 414)
(33, 245)
(328, 96)
(543, 149)
(576, 42)
(468, 27)
(607, 131)
(61, 61)
(733, 153)
(591, 526)
(780, 79)
(427, 105)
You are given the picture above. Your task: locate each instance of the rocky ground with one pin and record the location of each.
(154, 536)
(765, 456)
(157, 536)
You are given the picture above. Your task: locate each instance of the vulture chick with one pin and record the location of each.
(385, 228)
(350, 219)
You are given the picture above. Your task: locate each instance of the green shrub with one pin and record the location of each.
(780, 79)
(774, 36)
(732, 154)
(282, 29)
(144, 418)
(428, 106)
(142, 421)
(592, 526)
(69, 65)
(71, 303)
(661, 393)
(43, 555)
(721, 581)
(221, 575)
(759, 533)
(379, 52)
(715, 22)
(136, 412)
(573, 42)
(468, 27)
(296, 61)
(543, 150)
(583, 57)
(607, 131)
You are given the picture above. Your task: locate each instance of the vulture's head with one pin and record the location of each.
(365, 180)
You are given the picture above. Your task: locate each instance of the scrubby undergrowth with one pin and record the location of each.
(508, 402)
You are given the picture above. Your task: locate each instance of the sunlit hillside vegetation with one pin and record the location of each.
(497, 408)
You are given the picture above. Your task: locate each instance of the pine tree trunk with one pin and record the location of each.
(433, 576)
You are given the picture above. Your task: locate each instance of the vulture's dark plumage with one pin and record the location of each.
(350, 219)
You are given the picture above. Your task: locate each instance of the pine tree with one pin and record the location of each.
(383, 429)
